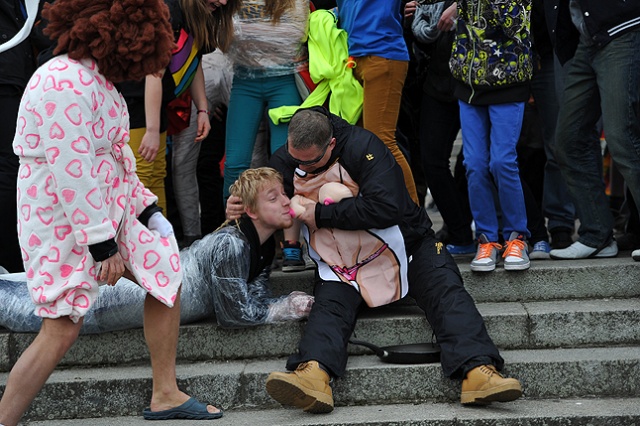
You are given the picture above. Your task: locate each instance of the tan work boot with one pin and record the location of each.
(307, 388)
(484, 385)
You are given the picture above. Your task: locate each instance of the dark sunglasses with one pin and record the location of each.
(308, 162)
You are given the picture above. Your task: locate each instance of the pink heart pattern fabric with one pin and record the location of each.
(77, 186)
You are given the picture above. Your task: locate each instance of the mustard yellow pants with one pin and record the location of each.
(382, 80)
(151, 174)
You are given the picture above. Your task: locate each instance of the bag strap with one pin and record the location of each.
(32, 12)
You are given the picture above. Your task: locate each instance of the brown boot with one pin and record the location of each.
(307, 388)
(484, 385)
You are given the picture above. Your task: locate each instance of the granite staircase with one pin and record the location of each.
(568, 330)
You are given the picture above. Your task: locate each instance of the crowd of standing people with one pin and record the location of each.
(115, 153)
(502, 199)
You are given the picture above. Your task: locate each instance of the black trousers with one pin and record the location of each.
(436, 285)
(10, 256)
(210, 181)
(439, 126)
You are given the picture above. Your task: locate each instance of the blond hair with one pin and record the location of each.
(251, 182)
(276, 8)
(210, 30)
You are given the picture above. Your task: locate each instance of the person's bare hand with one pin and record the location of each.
(112, 269)
(410, 9)
(309, 215)
(235, 208)
(204, 126)
(150, 145)
(447, 21)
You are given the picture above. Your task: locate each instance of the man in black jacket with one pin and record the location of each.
(602, 42)
(318, 143)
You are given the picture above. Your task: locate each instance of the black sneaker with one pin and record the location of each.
(561, 238)
(308, 262)
(292, 260)
(628, 241)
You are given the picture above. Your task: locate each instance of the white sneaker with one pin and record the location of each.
(515, 253)
(636, 255)
(486, 255)
(578, 250)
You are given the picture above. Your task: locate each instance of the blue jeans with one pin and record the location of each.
(489, 137)
(556, 203)
(249, 98)
(603, 80)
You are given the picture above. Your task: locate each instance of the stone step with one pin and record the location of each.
(512, 325)
(525, 412)
(545, 374)
(546, 280)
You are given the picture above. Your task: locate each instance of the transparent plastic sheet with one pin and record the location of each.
(261, 48)
(118, 307)
(295, 306)
(223, 259)
(218, 76)
(210, 279)
(16, 311)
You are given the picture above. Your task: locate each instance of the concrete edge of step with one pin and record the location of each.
(524, 412)
(513, 325)
(544, 374)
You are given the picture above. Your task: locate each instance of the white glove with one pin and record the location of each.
(157, 222)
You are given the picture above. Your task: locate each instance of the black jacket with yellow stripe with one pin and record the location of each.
(383, 200)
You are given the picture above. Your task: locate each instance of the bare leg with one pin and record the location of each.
(161, 327)
(35, 366)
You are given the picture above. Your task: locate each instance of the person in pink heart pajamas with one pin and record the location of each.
(84, 217)
(78, 188)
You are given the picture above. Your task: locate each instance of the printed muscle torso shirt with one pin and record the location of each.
(373, 261)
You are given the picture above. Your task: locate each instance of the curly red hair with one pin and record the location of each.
(127, 38)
